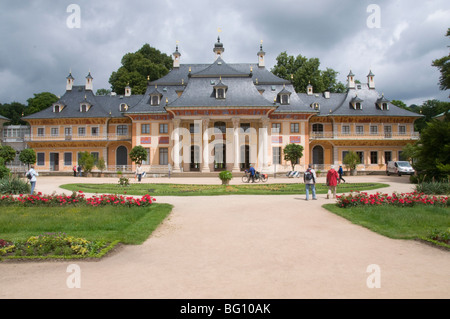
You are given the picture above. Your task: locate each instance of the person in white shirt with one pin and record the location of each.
(139, 172)
(32, 173)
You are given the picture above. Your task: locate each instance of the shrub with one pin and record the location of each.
(14, 185)
(225, 175)
(124, 181)
(436, 188)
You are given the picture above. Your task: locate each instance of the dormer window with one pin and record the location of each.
(57, 108)
(284, 96)
(383, 103)
(356, 103)
(123, 107)
(221, 90)
(284, 99)
(155, 100)
(84, 108)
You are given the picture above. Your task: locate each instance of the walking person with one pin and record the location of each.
(139, 172)
(252, 173)
(31, 174)
(79, 170)
(309, 178)
(332, 181)
(74, 171)
(341, 172)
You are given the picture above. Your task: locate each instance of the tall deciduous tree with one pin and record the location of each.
(27, 156)
(443, 64)
(137, 66)
(40, 101)
(303, 71)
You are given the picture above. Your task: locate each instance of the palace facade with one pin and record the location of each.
(216, 116)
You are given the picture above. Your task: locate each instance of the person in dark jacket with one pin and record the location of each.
(341, 172)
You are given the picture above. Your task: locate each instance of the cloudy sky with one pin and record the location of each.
(396, 39)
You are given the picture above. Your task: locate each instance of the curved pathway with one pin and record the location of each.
(240, 246)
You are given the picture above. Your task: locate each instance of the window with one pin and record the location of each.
(384, 106)
(83, 108)
(94, 131)
(57, 108)
(122, 130)
(123, 107)
(245, 127)
(358, 106)
(163, 128)
(387, 131)
(344, 153)
(402, 130)
(361, 157)
(194, 128)
(147, 162)
(68, 159)
(284, 99)
(276, 155)
(345, 129)
(294, 128)
(276, 128)
(67, 131)
(40, 131)
(154, 100)
(145, 128)
(96, 156)
(163, 156)
(373, 130)
(220, 93)
(40, 159)
(387, 156)
(359, 130)
(81, 131)
(220, 127)
(374, 157)
(54, 131)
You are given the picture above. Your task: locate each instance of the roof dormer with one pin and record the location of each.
(383, 103)
(220, 89)
(84, 107)
(356, 103)
(155, 96)
(57, 107)
(284, 96)
(123, 107)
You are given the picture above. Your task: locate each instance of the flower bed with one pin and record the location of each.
(396, 199)
(54, 245)
(75, 199)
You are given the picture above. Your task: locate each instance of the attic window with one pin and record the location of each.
(84, 108)
(384, 106)
(284, 98)
(358, 106)
(123, 107)
(154, 99)
(57, 108)
(220, 93)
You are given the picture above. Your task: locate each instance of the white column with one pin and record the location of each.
(205, 165)
(265, 127)
(236, 144)
(176, 145)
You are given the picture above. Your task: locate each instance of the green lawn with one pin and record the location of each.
(208, 190)
(397, 222)
(107, 223)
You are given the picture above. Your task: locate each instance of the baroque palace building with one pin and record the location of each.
(216, 116)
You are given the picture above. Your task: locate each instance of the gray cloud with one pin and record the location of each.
(38, 49)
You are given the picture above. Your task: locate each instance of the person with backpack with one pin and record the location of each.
(341, 172)
(31, 175)
(332, 181)
(309, 178)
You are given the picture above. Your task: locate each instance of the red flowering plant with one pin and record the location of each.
(397, 199)
(74, 200)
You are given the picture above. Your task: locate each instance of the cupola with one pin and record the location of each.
(261, 55)
(89, 79)
(351, 80)
(176, 58)
(218, 48)
(69, 82)
(370, 80)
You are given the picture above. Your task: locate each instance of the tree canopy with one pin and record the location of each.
(443, 64)
(303, 71)
(136, 67)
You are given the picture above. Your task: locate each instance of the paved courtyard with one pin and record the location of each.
(280, 247)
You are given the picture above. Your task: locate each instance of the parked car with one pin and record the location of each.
(400, 168)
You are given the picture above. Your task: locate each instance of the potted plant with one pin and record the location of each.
(225, 177)
(350, 161)
(101, 165)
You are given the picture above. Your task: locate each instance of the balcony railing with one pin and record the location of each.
(76, 137)
(361, 136)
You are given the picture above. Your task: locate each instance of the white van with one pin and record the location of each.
(400, 168)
